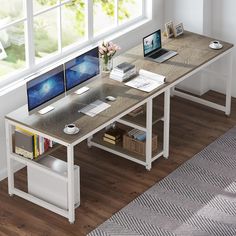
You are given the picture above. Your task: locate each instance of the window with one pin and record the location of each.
(34, 32)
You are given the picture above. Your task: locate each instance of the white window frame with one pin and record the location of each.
(16, 79)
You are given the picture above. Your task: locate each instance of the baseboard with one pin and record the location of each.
(3, 172)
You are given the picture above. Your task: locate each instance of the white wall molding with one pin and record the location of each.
(3, 173)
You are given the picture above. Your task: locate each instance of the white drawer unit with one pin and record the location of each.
(50, 186)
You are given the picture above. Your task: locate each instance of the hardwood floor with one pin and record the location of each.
(108, 182)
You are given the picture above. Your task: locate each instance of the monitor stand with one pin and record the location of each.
(46, 110)
(82, 90)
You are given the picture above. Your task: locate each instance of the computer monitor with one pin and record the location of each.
(80, 70)
(45, 89)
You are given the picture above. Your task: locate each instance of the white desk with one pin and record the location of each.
(191, 46)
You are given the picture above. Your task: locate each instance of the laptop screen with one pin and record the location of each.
(151, 43)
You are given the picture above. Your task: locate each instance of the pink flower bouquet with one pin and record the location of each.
(107, 51)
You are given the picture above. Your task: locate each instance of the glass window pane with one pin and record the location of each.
(126, 10)
(39, 5)
(73, 22)
(11, 10)
(103, 11)
(12, 49)
(45, 34)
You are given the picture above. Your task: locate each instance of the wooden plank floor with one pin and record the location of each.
(108, 182)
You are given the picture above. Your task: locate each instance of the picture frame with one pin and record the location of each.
(3, 54)
(169, 28)
(178, 29)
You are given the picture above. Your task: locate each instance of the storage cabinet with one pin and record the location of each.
(50, 186)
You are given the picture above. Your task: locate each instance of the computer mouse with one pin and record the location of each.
(110, 98)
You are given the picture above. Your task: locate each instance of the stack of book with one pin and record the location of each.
(137, 111)
(137, 134)
(113, 135)
(30, 145)
(123, 71)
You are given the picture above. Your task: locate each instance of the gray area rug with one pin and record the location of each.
(198, 198)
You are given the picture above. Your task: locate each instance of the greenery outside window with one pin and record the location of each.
(34, 31)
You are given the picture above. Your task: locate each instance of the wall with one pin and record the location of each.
(17, 98)
(187, 11)
(9, 102)
(191, 13)
(223, 27)
(214, 18)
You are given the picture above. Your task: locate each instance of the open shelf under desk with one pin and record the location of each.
(139, 121)
(117, 149)
(34, 162)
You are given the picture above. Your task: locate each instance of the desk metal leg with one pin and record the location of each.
(172, 91)
(70, 170)
(10, 169)
(166, 123)
(149, 135)
(229, 87)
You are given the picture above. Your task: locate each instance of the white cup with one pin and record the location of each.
(70, 128)
(216, 42)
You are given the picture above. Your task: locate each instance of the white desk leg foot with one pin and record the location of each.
(72, 222)
(149, 167)
(11, 194)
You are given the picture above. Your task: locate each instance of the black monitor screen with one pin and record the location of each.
(152, 42)
(45, 87)
(82, 68)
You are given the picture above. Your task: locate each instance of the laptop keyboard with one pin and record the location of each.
(158, 53)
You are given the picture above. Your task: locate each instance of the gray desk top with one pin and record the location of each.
(193, 51)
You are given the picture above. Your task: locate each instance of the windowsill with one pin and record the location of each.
(4, 89)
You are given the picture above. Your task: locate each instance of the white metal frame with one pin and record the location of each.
(227, 107)
(70, 213)
(148, 129)
(12, 190)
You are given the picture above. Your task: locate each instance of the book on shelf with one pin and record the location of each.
(124, 67)
(114, 133)
(24, 144)
(24, 139)
(146, 81)
(137, 134)
(112, 141)
(137, 111)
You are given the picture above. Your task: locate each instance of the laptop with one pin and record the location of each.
(152, 49)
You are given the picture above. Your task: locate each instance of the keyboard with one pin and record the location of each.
(158, 53)
(94, 108)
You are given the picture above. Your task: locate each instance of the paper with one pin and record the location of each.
(146, 81)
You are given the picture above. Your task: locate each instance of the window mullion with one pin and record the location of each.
(116, 12)
(59, 29)
(29, 35)
(89, 19)
(144, 7)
